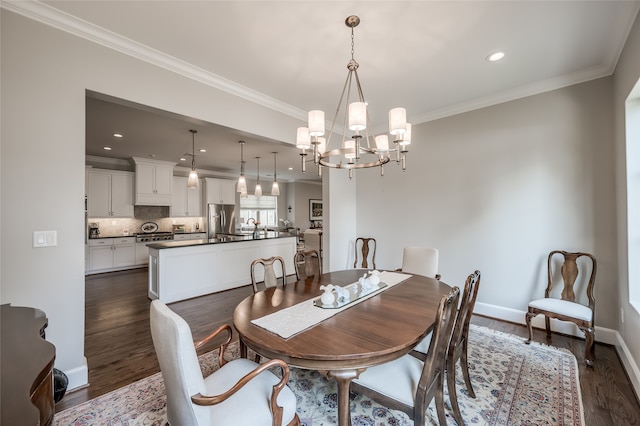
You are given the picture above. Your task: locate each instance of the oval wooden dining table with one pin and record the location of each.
(376, 330)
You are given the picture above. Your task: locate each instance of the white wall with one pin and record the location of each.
(44, 75)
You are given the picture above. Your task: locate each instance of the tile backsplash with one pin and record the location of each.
(113, 227)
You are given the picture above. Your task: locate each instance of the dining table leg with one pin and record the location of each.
(343, 379)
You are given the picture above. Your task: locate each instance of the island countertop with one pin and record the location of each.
(221, 239)
(181, 270)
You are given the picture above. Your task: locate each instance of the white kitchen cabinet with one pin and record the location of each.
(109, 193)
(181, 237)
(186, 202)
(141, 253)
(199, 236)
(154, 182)
(220, 191)
(107, 254)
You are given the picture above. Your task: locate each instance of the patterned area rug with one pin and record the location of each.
(515, 384)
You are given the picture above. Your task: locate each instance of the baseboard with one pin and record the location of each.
(79, 376)
(602, 335)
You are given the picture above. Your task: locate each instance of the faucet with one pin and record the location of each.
(255, 227)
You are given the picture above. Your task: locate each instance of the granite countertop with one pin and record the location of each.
(134, 235)
(221, 239)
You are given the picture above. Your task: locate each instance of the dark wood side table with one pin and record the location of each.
(27, 368)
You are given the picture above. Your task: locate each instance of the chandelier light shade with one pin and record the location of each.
(258, 190)
(242, 181)
(362, 149)
(193, 181)
(275, 188)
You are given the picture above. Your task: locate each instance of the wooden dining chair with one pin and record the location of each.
(362, 252)
(270, 276)
(421, 261)
(566, 308)
(307, 263)
(222, 397)
(459, 343)
(409, 384)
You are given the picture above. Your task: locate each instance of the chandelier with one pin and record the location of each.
(363, 149)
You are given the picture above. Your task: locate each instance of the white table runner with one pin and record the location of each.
(304, 315)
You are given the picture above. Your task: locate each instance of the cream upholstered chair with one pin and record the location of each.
(566, 308)
(240, 392)
(270, 273)
(409, 384)
(421, 261)
(307, 263)
(458, 346)
(362, 254)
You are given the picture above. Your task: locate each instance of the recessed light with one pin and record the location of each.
(183, 159)
(203, 150)
(117, 135)
(107, 148)
(290, 168)
(496, 56)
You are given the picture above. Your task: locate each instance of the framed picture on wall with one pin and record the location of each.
(315, 209)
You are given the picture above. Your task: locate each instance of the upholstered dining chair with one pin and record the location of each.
(223, 397)
(566, 308)
(409, 384)
(307, 263)
(421, 261)
(270, 274)
(458, 345)
(362, 253)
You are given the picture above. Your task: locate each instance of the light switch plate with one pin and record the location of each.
(45, 238)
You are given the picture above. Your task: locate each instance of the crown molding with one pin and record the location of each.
(55, 18)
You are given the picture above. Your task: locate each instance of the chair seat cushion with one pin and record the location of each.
(397, 379)
(423, 346)
(563, 307)
(250, 405)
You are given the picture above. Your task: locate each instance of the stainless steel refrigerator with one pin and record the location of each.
(222, 219)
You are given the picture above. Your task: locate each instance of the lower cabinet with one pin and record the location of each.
(108, 254)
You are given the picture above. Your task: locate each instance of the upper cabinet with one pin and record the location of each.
(186, 201)
(109, 193)
(154, 181)
(220, 191)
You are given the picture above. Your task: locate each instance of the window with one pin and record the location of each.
(633, 194)
(263, 209)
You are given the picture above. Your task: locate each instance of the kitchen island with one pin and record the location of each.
(181, 270)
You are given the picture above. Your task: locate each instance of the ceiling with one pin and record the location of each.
(428, 56)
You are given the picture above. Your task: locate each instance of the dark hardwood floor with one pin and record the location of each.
(119, 349)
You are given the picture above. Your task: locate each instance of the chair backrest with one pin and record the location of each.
(431, 379)
(362, 253)
(420, 260)
(270, 276)
(570, 271)
(307, 264)
(179, 365)
(463, 317)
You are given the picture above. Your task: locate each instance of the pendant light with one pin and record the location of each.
(242, 182)
(258, 191)
(193, 181)
(275, 188)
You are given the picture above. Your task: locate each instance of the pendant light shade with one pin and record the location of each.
(193, 181)
(275, 188)
(258, 191)
(242, 182)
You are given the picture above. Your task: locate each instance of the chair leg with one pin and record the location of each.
(442, 418)
(528, 318)
(589, 349)
(547, 324)
(451, 387)
(465, 370)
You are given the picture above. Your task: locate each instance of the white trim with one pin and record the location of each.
(79, 376)
(63, 21)
(602, 335)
